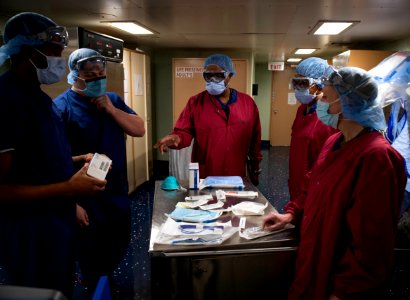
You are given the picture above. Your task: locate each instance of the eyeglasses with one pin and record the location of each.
(215, 76)
(56, 35)
(302, 83)
(90, 63)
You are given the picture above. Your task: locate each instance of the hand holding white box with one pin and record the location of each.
(99, 166)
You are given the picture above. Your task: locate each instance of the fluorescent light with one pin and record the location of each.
(131, 27)
(294, 59)
(304, 51)
(332, 27)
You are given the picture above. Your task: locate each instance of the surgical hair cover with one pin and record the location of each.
(357, 92)
(20, 29)
(222, 61)
(74, 58)
(393, 78)
(313, 67)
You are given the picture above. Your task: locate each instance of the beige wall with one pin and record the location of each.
(137, 96)
(282, 114)
(365, 59)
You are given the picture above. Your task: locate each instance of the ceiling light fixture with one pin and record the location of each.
(331, 27)
(131, 27)
(292, 59)
(305, 50)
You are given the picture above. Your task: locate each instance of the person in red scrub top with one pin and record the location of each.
(308, 132)
(348, 215)
(224, 124)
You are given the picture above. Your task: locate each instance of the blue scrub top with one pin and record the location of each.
(37, 237)
(92, 130)
(30, 127)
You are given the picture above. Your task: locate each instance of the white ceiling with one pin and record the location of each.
(270, 29)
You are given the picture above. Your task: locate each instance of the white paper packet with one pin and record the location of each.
(257, 232)
(249, 208)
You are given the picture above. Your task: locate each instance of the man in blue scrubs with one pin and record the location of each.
(37, 179)
(97, 121)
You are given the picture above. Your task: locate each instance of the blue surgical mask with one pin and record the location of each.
(303, 96)
(171, 184)
(95, 87)
(215, 88)
(323, 114)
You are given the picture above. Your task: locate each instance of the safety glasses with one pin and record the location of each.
(55, 35)
(91, 63)
(302, 83)
(215, 76)
(332, 77)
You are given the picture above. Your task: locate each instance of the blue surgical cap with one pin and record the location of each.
(220, 60)
(357, 92)
(20, 29)
(74, 58)
(313, 67)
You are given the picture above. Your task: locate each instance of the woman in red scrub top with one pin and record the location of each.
(349, 212)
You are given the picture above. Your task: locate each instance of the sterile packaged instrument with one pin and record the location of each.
(249, 208)
(257, 232)
(198, 197)
(212, 206)
(183, 233)
(192, 204)
(241, 194)
(220, 195)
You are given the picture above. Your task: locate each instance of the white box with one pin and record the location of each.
(193, 176)
(99, 166)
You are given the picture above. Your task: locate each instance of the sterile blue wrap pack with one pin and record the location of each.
(193, 215)
(222, 182)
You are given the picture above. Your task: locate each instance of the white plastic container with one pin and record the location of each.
(193, 176)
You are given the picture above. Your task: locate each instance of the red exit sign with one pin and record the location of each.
(276, 66)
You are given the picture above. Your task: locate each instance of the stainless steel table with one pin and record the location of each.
(235, 269)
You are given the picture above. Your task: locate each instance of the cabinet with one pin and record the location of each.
(137, 95)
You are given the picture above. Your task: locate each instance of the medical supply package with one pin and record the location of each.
(193, 215)
(233, 182)
(257, 232)
(184, 233)
(99, 166)
(241, 194)
(249, 208)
